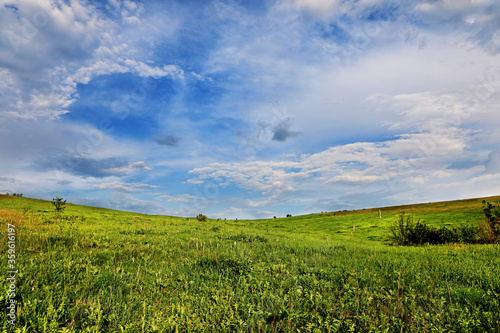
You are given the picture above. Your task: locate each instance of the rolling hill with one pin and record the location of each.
(100, 270)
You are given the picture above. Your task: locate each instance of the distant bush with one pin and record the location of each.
(17, 194)
(201, 218)
(405, 231)
(490, 230)
(59, 204)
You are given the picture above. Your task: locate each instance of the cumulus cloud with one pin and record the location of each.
(269, 178)
(32, 49)
(55, 46)
(429, 149)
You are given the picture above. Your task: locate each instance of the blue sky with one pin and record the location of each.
(249, 109)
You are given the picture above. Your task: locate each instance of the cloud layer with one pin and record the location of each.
(246, 109)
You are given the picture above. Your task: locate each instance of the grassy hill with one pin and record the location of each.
(100, 270)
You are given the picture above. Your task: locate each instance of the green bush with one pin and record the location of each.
(465, 234)
(201, 218)
(59, 204)
(406, 232)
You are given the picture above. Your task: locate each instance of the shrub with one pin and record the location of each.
(406, 232)
(401, 229)
(59, 204)
(201, 218)
(422, 233)
(490, 229)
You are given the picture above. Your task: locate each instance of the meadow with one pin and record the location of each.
(100, 270)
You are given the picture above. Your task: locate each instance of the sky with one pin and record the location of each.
(249, 109)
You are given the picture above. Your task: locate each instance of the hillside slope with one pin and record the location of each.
(101, 270)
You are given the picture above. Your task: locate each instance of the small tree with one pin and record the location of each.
(201, 218)
(59, 205)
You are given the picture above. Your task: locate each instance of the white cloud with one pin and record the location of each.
(445, 8)
(140, 165)
(389, 105)
(122, 187)
(356, 177)
(145, 70)
(177, 198)
(318, 7)
(479, 18)
(40, 33)
(49, 47)
(326, 9)
(269, 178)
(194, 181)
(128, 202)
(431, 138)
(86, 74)
(106, 67)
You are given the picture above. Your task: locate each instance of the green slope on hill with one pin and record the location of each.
(101, 270)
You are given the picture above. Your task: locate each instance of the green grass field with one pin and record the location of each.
(100, 270)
